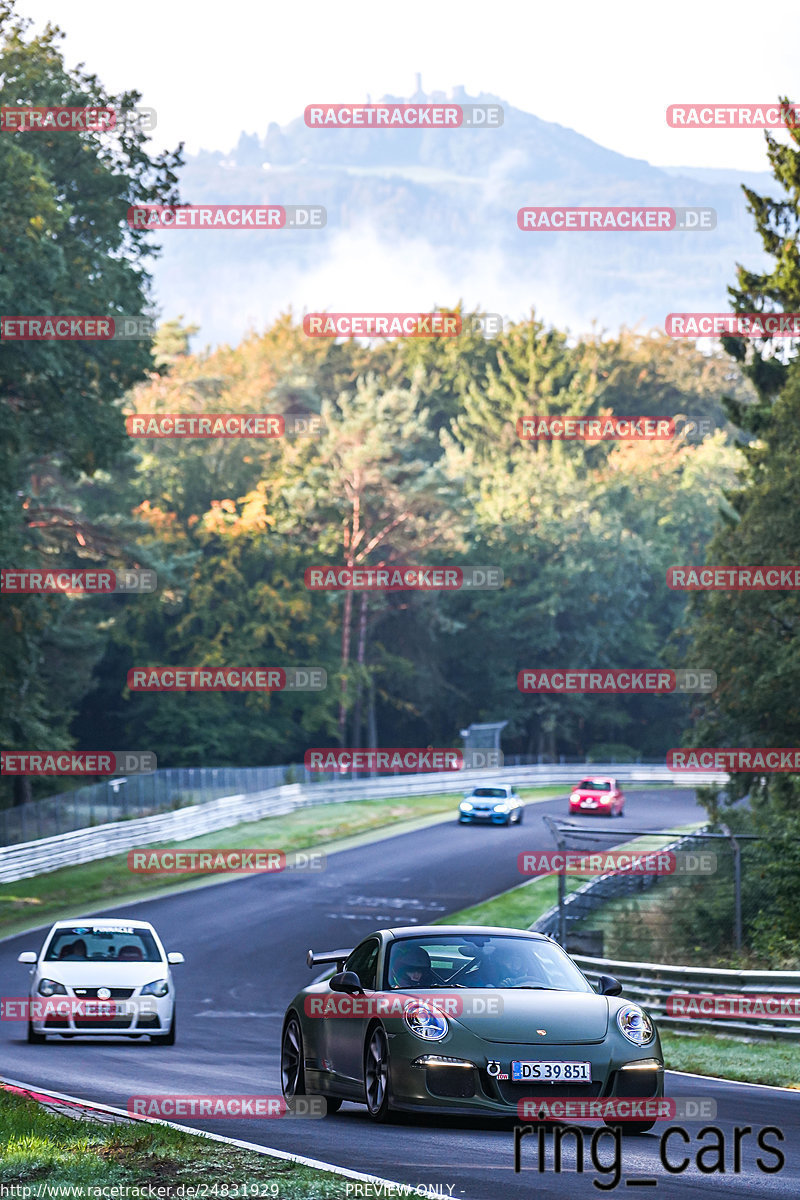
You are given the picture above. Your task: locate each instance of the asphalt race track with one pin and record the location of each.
(245, 944)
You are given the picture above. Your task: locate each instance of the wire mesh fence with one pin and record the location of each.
(701, 917)
(133, 796)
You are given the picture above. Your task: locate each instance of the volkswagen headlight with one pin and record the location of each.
(635, 1024)
(425, 1022)
(159, 987)
(49, 987)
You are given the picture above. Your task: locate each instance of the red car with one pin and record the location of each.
(600, 794)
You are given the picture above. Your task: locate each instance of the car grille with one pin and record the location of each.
(121, 1022)
(635, 1083)
(453, 1082)
(117, 993)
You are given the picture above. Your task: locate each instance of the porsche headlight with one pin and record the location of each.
(159, 987)
(635, 1024)
(425, 1022)
(49, 987)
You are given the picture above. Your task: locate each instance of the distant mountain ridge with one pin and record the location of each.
(418, 217)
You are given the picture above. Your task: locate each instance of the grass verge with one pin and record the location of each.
(776, 1063)
(325, 827)
(519, 907)
(40, 1149)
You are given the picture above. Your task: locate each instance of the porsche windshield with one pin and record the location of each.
(85, 943)
(482, 961)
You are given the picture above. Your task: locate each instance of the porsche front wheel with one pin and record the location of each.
(376, 1074)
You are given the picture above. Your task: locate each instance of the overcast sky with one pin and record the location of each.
(606, 70)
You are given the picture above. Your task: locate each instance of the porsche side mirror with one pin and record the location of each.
(607, 985)
(346, 981)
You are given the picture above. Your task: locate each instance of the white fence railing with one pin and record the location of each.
(652, 984)
(27, 859)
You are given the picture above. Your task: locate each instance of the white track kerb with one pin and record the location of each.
(389, 1185)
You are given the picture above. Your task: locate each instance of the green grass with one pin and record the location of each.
(516, 909)
(38, 1148)
(66, 892)
(776, 1063)
(525, 903)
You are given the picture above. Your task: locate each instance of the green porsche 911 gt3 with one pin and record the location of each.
(470, 1019)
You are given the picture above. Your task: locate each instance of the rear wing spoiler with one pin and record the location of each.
(339, 957)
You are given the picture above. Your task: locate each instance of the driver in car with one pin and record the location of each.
(410, 967)
(508, 967)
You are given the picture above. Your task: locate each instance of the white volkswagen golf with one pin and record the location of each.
(102, 978)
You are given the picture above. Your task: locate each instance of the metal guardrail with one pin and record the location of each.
(124, 798)
(27, 859)
(88, 845)
(651, 984)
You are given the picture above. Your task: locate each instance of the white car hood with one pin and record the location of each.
(102, 974)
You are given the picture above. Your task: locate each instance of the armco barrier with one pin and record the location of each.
(26, 859)
(650, 984)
